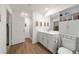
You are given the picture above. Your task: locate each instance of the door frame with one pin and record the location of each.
(9, 19)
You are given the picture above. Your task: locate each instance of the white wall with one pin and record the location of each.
(3, 29)
(40, 18)
(31, 28)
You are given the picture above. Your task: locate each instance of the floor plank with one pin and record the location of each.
(28, 48)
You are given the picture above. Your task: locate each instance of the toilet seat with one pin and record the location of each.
(63, 50)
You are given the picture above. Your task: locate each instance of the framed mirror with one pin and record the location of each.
(56, 26)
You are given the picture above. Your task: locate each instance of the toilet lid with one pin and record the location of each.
(63, 50)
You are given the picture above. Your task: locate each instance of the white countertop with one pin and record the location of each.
(51, 32)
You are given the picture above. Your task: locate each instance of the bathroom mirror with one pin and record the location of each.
(56, 26)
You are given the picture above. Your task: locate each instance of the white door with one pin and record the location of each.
(27, 31)
(18, 31)
(27, 26)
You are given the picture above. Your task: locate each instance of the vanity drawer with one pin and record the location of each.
(51, 37)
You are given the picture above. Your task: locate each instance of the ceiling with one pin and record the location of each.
(39, 7)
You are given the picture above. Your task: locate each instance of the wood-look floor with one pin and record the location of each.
(28, 48)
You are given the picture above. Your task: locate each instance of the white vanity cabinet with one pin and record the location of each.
(48, 40)
(52, 43)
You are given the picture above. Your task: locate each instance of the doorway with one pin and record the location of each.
(27, 27)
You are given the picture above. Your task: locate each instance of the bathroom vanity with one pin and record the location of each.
(49, 39)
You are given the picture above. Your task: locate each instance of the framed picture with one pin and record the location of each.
(36, 23)
(47, 24)
(40, 23)
(25, 25)
(44, 23)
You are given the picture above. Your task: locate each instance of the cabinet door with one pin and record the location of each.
(63, 27)
(52, 45)
(41, 37)
(45, 40)
(18, 29)
(74, 27)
